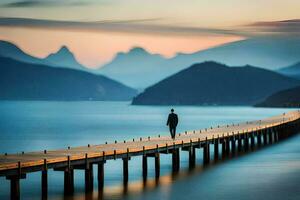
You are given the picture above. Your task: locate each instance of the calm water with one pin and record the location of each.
(271, 173)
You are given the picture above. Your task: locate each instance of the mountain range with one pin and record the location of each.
(139, 69)
(292, 71)
(28, 81)
(211, 83)
(62, 58)
(284, 98)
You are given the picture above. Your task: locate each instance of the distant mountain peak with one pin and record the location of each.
(11, 50)
(137, 50)
(207, 64)
(134, 51)
(140, 51)
(63, 51)
(64, 57)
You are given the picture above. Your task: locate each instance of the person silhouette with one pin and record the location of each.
(172, 123)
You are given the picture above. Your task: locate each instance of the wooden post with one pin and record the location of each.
(216, 149)
(178, 159)
(125, 171)
(246, 142)
(274, 135)
(206, 154)
(100, 176)
(175, 160)
(157, 165)
(14, 188)
(240, 143)
(192, 157)
(227, 145)
(68, 181)
(233, 145)
(259, 138)
(145, 167)
(271, 136)
(223, 148)
(89, 179)
(15, 183)
(268, 135)
(252, 140)
(45, 181)
(265, 137)
(276, 138)
(279, 133)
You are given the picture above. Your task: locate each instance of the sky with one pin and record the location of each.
(95, 30)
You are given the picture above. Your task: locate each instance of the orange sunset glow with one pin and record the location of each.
(96, 48)
(95, 31)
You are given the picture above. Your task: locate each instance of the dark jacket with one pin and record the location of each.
(172, 120)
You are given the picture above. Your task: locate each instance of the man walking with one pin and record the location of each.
(172, 123)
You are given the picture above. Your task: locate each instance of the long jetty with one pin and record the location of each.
(225, 140)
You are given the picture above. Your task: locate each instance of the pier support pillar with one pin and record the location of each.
(69, 181)
(157, 165)
(279, 133)
(100, 176)
(265, 137)
(240, 143)
(44, 184)
(15, 183)
(192, 157)
(216, 149)
(89, 179)
(271, 138)
(276, 139)
(15, 186)
(246, 142)
(206, 154)
(223, 148)
(233, 145)
(145, 167)
(252, 138)
(15, 189)
(125, 171)
(259, 138)
(175, 160)
(227, 145)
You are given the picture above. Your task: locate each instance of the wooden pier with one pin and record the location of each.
(230, 139)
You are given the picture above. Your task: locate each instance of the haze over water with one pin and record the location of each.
(271, 173)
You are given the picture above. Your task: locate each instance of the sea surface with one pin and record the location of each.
(269, 173)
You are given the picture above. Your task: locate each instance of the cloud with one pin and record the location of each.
(42, 3)
(155, 27)
(279, 27)
(142, 26)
